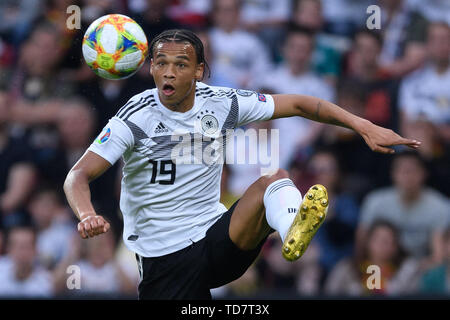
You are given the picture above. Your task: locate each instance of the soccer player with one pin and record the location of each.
(185, 240)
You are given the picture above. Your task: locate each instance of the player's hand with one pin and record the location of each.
(92, 225)
(379, 139)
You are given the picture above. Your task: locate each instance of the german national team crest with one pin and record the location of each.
(244, 93)
(210, 125)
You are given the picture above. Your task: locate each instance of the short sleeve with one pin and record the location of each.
(254, 106)
(113, 141)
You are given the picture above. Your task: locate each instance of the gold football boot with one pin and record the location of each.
(309, 218)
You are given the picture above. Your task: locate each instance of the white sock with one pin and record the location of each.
(281, 200)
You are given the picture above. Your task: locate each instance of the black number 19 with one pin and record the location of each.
(163, 170)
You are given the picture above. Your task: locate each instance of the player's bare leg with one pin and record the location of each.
(274, 202)
(248, 225)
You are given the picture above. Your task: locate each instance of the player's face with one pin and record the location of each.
(175, 71)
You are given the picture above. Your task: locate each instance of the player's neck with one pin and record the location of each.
(184, 105)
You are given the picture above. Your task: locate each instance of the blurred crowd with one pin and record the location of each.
(389, 211)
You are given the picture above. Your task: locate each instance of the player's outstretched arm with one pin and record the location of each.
(379, 139)
(76, 188)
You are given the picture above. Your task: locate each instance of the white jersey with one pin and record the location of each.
(167, 205)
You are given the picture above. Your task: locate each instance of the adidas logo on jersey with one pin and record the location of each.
(160, 128)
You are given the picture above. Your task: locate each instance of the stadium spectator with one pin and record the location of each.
(434, 10)
(17, 171)
(36, 79)
(382, 249)
(425, 94)
(366, 170)
(100, 272)
(251, 61)
(227, 198)
(268, 20)
(54, 227)
(17, 17)
(419, 213)
(326, 57)
(261, 14)
(403, 34)
(126, 261)
(72, 67)
(56, 15)
(247, 285)
(335, 237)
(2, 241)
(36, 91)
(154, 19)
(75, 123)
(7, 53)
(213, 77)
(75, 129)
(94, 9)
(425, 105)
(435, 281)
(107, 96)
(253, 155)
(381, 89)
(301, 277)
(294, 76)
(344, 17)
(190, 13)
(20, 276)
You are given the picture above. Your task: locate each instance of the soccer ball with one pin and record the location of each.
(114, 46)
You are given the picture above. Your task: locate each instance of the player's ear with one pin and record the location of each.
(151, 67)
(200, 71)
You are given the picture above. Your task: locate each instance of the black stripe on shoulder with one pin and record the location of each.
(130, 105)
(217, 94)
(202, 89)
(152, 102)
(124, 106)
(205, 93)
(228, 94)
(145, 102)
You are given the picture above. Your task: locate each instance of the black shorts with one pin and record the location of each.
(191, 272)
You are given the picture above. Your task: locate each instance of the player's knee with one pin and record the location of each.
(280, 174)
(267, 180)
